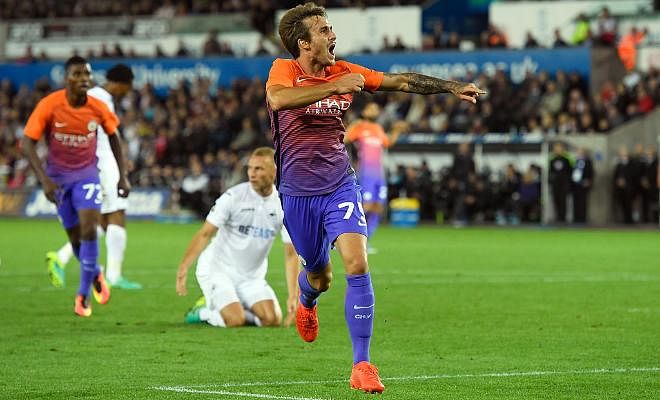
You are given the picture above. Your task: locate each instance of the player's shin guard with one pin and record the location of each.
(89, 254)
(373, 219)
(359, 313)
(308, 294)
(115, 241)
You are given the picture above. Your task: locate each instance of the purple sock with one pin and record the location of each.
(373, 219)
(89, 254)
(308, 294)
(359, 313)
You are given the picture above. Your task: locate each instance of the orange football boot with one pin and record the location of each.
(307, 322)
(100, 289)
(365, 377)
(81, 306)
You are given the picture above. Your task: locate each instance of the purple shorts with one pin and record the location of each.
(374, 190)
(85, 194)
(315, 222)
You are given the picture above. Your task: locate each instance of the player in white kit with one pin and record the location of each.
(231, 270)
(119, 81)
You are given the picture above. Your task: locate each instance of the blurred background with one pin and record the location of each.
(570, 83)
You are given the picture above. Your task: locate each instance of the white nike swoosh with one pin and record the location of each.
(60, 124)
(302, 79)
(356, 307)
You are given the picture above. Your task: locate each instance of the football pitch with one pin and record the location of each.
(475, 313)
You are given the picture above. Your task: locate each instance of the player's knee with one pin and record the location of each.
(233, 316)
(270, 319)
(88, 232)
(357, 266)
(234, 320)
(325, 280)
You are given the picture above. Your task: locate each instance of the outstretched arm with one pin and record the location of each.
(197, 244)
(292, 269)
(412, 82)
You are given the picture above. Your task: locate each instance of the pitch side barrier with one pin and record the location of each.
(167, 73)
(32, 203)
(493, 151)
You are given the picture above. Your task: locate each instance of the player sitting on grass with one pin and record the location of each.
(231, 270)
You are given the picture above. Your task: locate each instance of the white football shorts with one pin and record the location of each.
(109, 176)
(220, 290)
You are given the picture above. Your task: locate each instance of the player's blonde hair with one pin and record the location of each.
(264, 152)
(293, 28)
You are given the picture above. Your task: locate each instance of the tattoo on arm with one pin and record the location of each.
(423, 84)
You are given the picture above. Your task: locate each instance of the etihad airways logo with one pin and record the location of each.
(74, 140)
(329, 106)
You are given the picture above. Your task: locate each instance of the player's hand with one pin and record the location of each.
(349, 83)
(181, 288)
(50, 189)
(469, 92)
(123, 187)
(291, 305)
(400, 126)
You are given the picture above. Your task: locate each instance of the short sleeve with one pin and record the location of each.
(38, 120)
(353, 132)
(286, 239)
(110, 121)
(221, 210)
(372, 78)
(281, 73)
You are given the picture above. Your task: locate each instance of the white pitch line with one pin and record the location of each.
(179, 389)
(432, 377)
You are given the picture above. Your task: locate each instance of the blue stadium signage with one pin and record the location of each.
(142, 203)
(164, 74)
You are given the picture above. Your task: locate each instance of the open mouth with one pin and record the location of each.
(331, 49)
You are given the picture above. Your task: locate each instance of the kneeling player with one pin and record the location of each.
(231, 270)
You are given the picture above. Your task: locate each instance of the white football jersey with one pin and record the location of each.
(103, 150)
(247, 224)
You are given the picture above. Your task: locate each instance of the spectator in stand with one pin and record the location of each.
(454, 41)
(627, 47)
(607, 28)
(182, 50)
(509, 197)
(398, 44)
(559, 180)
(624, 185)
(582, 180)
(559, 41)
(582, 30)
(493, 37)
(212, 46)
(193, 189)
(650, 186)
(530, 41)
(645, 102)
(530, 195)
(462, 168)
(439, 36)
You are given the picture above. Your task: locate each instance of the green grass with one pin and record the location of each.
(462, 307)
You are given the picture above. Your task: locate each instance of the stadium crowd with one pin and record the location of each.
(193, 141)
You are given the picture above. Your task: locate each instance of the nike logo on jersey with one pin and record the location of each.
(302, 79)
(356, 307)
(60, 124)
